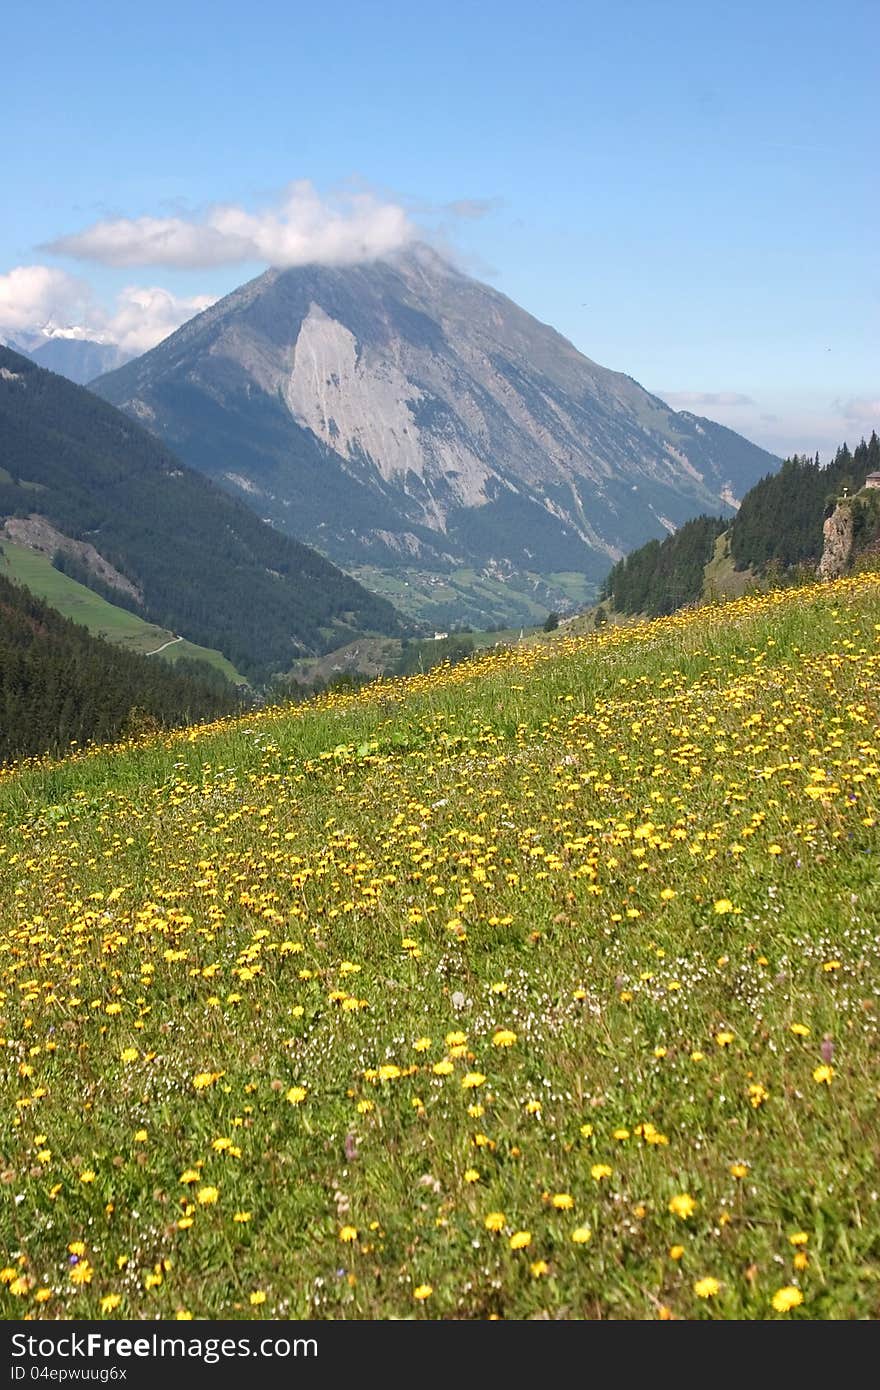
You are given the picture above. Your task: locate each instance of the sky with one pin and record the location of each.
(686, 191)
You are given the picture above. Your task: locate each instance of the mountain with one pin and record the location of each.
(73, 352)
(138, 526)
(79, 359)
(58, 684)
(419, 427)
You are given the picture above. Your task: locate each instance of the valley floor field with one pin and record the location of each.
(541, 986)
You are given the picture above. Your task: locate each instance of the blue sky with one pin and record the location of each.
(687, 191)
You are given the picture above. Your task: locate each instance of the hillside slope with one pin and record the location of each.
(499, 992)
(186, 555)
(58, 684)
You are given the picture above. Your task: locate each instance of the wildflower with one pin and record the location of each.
(190, 1175)
(801, 1260)
(348, 1234)
(520, 1239)
(824, 1075)
(472, 1080)
(203, 1079)
(785, 1299)
(621, 1135)
(581, 1235)
(800, 1030)
(586, 1131)
(707, 1288)
(423, 1291)
(471, 1175)
(182, 1315)
(87, 1176)
(443, 1067)
(207, 1196)
(77, 1247)
(676, 1252)
(297, 1094)
(241, 1217)
(682, 1205)
(739, 1170)
(42, 1295)
(538, 1267)
(81, 1273)
(533, 1107)
(724, 1039)
(504, 1038)
(563, 1201)
(128, 1054)
(600, 1171)
(110, 1301)
(757, 1094)
(421, 1044)
(799, 1238)
(722, 906)
(257, 1297)
(495, 1221)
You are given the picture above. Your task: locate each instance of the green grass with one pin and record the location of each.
(578, 941)
(75, 601)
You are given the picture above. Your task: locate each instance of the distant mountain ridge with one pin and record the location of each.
(404, 418)
(181, 552)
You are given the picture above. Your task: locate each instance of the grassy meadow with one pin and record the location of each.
(542, 986)
(35, 571)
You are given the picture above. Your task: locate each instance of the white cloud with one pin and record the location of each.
(144, 316)
(859, 408)
(686, 400)
(301, 228)
(32, 296)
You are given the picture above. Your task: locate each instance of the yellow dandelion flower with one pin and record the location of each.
(538, 1267)
(724, 1039)
(257, 1297)
(676, 1252)
(190, 1175)
(562, 1201)
(581, 1235)
(683, 1206)
(799, 1238)
(722, 906)
(421, 1044)
(599, 1171)
(87, 1176)
(443, 1068)
(423, 1291)
(207, 1196)
(81, 1273)
(348, 1234)
(707, 1288)
(495, 1221)
(297, 1094)
(785, 1299)
(471, 1175)
(241, 1217)
(110, 1301)
(520, 1239)
(42, 1295)
(472, 1080)
(801, 1260)
(824, 1075)
(504, 1038)
(739, 1170)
